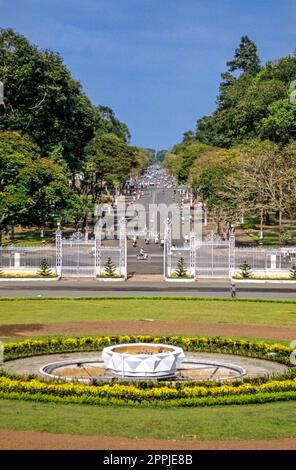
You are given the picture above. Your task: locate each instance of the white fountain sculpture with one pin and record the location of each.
(143, 359)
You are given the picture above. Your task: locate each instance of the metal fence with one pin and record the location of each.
(14, 257)
(211, 260)
(80, 258)
(70, 257)
(261, 259)
(218, 258)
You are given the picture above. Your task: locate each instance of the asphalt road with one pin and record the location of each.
(92, 288)
(154, 265)
(161, 197)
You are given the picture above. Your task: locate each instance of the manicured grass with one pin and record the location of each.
(272, 239)
(30, 238)
(202, 311)
(266, 421)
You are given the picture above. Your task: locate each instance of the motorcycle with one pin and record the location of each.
(143, 257)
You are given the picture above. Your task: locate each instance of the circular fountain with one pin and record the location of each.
(143, 360)
(140, 361)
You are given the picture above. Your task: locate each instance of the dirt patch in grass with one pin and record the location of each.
(19, 330)
(29, 440)
(157, 327)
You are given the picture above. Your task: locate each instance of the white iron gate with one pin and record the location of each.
(207, 258)
(78, 258)
(212, 259)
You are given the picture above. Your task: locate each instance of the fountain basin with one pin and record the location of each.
(143, 360)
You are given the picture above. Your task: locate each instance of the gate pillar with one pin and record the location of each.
(59, 251)
(192, 254)
(167, 255)
(98, 247)
(231, 253)
(123, 247)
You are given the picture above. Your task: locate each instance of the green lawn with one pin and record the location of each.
(271, 239)
(276, 420)
(204, 311)
(30, 238)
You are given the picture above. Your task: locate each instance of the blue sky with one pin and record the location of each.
(157, 63)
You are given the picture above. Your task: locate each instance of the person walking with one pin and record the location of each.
(233, 290)
(134, 241)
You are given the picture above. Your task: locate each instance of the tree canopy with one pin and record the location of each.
(44, 102)
(108, 160)
(245, 57)
(253, 104)
(32, 188)
(241, 158)
(50, 135)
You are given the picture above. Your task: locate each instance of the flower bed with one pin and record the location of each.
(106, 278)
(120, 394)
(259, 390)
(263, 278)
(277, 352)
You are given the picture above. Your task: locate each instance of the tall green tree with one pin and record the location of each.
(33, 189)
(280, 123)
(143, 158)
(107, 123)
(42, 100)
(186, 152)
(245, 58)
(109, 161)
(207, 176)
(252, 105)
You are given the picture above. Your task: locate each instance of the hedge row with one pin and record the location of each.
(135, 393)
(243, 399)
(276, 352)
